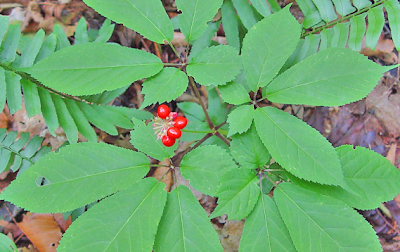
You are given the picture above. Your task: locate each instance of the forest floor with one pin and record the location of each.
(373, 122)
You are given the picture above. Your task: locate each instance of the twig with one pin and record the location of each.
(197, 93)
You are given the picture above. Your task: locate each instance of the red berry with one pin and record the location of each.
(168, 141)
(180, 122)
(174, 132)
(163, 111)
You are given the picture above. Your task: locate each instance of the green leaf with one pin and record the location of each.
(97, 119)
(167, 85)
(6, 244)
(237, 195)
(184, 226)
(300, 149)
(195, 15)
(48, 110)
(205, 39)
(263, 55)
(264, 229)
(376, 21)
(65, 119)
(262, 7)
(319, 79)
(240, 119)
(215, 65)
(99, 67)
(114, 116)
(30, 52)
(145, 140)
(78, 174)
(9, 47)
(340, 34)
(126, 221)
(3, 87)
(204, 167)
(105, 31)
(337, 226)
(245, 12)
(81, 121)
(248, 150)
(357, 31)
(3, 26)
(230, 23)
(81, 34)
(62, 39)
(48, 47)
(393, 10)
(343, 7)
(372, 177)
(234, 93)
(217, 109)
(359, 4)
(146, 17)
(326, 38)
(31, 98)
(14, 97)
(326, 10)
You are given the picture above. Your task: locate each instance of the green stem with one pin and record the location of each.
(176, 53)
(2, 146)
(333, 23)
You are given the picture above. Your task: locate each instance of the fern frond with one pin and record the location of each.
(22, 153)
(72, 114)
(348, 30)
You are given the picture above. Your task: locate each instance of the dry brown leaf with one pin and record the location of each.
(391, 155)
(42, 230)
(160, 171)
(3, 120)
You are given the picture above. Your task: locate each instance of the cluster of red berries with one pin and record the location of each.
(167, 125)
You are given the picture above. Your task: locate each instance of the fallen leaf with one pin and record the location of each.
(161, 171)
(42, 230)
(391, 155)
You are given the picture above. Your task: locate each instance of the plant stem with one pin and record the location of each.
(303, 35)
(177, 158)
(197, 93)
(176, 53)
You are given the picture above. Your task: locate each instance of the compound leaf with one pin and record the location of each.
(145, 140)
(248, 150)
(240, 119)
(195, 15)
(263, 55)
(332, 77)
(264, 229)
(372, 177)
(337, 226)
(167, 85)
(184, 225)
(92, 68)
(297, 147)
(237, 195)
(126, 221)
(146, 17)
(215, 65)
(74, 175)
(204, 167)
